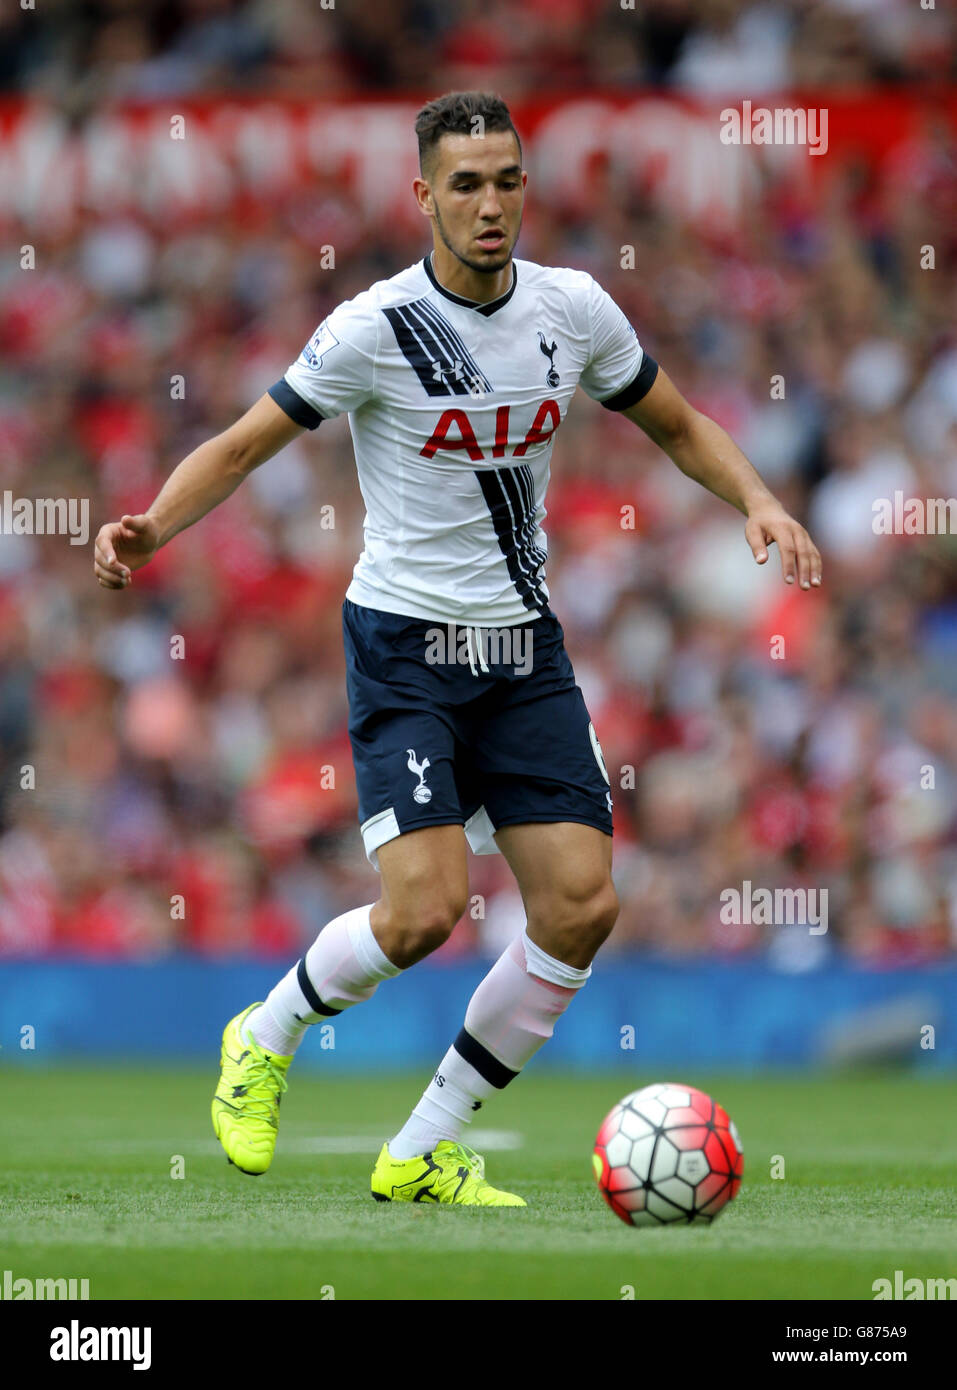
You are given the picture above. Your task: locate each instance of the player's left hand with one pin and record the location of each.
(769, 523)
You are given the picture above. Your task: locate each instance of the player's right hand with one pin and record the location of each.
(122, 547)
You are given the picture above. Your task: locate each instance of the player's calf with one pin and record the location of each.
(512, 1013)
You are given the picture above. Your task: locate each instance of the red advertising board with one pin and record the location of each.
(212, 159)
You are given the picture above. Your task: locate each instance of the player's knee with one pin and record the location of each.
(598, 915)
(419, 928)
(425, 932)
(605, 912)
(577, 924)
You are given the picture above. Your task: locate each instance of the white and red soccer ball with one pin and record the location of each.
(667, 1153)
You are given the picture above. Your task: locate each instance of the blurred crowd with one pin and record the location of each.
(84, 51)
(175, 771)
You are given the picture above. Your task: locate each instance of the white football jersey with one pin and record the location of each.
(453, 407)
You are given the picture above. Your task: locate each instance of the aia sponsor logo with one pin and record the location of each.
(454, 431)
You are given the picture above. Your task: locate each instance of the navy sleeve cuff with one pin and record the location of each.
(635, 390)
(295, 407)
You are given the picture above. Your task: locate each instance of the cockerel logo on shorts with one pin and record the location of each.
(421, 793)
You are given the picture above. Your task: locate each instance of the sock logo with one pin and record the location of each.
(422, 794)
(439, 1079)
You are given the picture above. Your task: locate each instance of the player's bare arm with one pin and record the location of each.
(708, 454)
(206, 477)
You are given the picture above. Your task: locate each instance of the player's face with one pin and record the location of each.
(478, 189)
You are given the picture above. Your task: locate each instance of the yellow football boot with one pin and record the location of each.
(450, 1173)
(246, 1104)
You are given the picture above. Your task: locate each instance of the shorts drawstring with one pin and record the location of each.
(478, 648)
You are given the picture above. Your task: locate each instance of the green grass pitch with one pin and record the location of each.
(86, 1191)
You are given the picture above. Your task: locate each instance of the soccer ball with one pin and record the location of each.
(667, 1153)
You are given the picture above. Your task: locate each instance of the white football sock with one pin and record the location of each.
(510, 1016)
(344, 966)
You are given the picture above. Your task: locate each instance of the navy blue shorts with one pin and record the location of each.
(480, 727)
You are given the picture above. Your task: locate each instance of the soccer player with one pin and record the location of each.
(466, 724)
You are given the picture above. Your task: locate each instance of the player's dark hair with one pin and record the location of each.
(460, 113)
